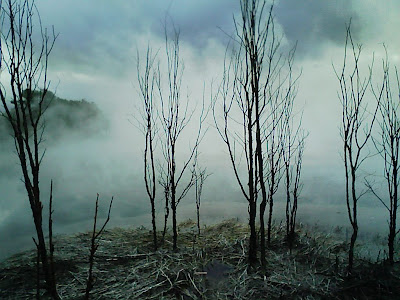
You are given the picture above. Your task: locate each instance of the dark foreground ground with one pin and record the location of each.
(207, 266)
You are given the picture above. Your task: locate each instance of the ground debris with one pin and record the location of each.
(207, 266)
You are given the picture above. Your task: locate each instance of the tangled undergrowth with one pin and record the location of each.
(211, 265)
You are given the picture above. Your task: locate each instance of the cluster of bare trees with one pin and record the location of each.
(259, 126)
(258, 91)
(165, 116)
(358, 122)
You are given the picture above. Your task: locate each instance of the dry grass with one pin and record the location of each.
(209, 266)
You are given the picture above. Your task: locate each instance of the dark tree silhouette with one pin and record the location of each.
(171, 115)
(388, 146)
(293, 159)
(27, 54)
(355, 130)
(147, 84)
(200, 177)
(252, 100)
(94, 245)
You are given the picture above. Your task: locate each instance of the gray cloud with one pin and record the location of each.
(315, 23)
(199, 21)
(100, 36)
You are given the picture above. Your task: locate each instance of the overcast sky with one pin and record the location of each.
(95, 58)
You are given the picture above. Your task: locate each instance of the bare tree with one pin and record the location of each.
(175, 116)
(388, 145)
(200, 177)
(94, 245)
(292, 149)
(231, 93)
(292, 143)
(164, 181)
(26, 61)
(273, 162)
(251, 92)
(147, 84)
(355, 130)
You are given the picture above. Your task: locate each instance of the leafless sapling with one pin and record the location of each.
(164, 181)
(293, 149)
(356, 128)
(388, 146)
(147, 84)
(27, 49)
(94, 245)
(200, 177)
(281, 93)
(175, 116)
(233, 98)
(292, 143)
(273, 162)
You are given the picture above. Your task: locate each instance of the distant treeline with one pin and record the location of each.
(62, 116)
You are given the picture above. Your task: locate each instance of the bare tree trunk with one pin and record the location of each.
(354, 223)
(288, 198)
(260, 168)
(271, 206)
(166, 212)
(263, 206)
(351, 249)
(173, 201)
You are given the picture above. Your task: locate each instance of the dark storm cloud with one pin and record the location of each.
(314, 23)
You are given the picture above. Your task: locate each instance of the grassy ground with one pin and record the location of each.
(207, 266)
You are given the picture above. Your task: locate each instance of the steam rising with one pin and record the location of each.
(93, 147)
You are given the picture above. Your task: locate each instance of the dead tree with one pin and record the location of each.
(355, 130)
(200, 177)
(164, 181)
(94, 245)
(273, 163)
(297, 187)
(175, 116)
(292, 143)
(233, 97)
(388, 146)
(293, 186)
(251, 81)
(26, 61)
(147, 84)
